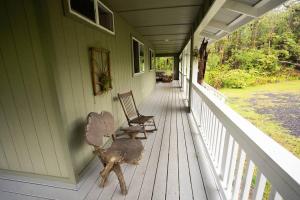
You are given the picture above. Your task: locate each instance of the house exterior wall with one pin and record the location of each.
(46, 89)
(31, 131)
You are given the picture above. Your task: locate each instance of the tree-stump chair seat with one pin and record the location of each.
(133, 116)
(121, 150)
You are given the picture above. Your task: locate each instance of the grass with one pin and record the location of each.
(238, 100)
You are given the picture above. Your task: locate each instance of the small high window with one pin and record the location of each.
(138, 56)
(105, 17)
(93, 12)
(151, 60)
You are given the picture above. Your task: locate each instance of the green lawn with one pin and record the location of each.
(238, 99)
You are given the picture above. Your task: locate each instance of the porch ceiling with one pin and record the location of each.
(165, 23)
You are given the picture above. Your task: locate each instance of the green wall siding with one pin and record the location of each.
(31, 132)
(72, 38)
(45, 85)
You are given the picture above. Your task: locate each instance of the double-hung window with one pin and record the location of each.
(151, 60)
(93, 12)
(138, 56)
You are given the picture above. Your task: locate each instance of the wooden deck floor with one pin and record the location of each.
(169, 168)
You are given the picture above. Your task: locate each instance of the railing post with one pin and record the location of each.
(191, 71)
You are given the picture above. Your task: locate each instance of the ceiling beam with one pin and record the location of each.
(214, 8)
(209, 35)
(241, 8)
(157, 8)
(165, 34)
(219, 25)
(158, 25)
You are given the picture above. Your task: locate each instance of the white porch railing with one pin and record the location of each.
(185, 85)
(214, 91)
(239, 152)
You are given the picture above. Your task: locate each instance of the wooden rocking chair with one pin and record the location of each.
(134, 118)
(121, 150)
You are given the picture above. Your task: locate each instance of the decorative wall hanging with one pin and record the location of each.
(100, 68)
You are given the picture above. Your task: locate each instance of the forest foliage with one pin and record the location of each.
(267, 50)
(165, 64)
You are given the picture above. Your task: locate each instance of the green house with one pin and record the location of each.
(48, 87)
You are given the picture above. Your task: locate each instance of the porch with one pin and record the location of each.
(170, 167)
(46, 93)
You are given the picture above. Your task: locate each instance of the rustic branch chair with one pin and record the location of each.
(132, 114)
(120, 151)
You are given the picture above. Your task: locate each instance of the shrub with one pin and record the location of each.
(214, 78)
(237, 78)
(213, 61)
(254, 59)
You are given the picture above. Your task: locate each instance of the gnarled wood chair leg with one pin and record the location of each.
(105, 172)
(118, 171)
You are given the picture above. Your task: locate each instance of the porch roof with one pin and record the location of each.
(168, 24)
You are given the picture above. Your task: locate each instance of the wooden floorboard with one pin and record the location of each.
(150, 173)
(173, 180)
(137, 179)
(185, 189)
(160, 184)
(169, 169)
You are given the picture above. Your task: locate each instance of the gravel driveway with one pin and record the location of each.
(282, 107)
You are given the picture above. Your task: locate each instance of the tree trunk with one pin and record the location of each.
(203, 54)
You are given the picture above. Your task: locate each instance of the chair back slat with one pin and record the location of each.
(99, 125)
(128, 105)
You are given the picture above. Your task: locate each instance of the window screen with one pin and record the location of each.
(105, 17)
(84, 8)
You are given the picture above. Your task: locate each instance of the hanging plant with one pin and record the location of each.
(104, 81)
(100, 69)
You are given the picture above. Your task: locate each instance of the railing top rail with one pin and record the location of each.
(280, 166)
(219, 94)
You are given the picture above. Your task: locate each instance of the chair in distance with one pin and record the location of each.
(133, 116)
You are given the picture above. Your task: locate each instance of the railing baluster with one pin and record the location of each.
(238, 174)
(207, 127)
(206, 124)
(216, 139)
(228, 160)
(202, 117)
(211, 133)
(200, 111)
(224, 154)
(220, 140)
(214, 123)
(259, 186)
(247, 179)
(274, 195)
(221, 150)
(232, 166)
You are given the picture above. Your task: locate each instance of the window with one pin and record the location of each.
(138, 56)
(101, 17)
(151, 60)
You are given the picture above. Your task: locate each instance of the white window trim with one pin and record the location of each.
(150, 61)
(141, 72)
(97, 24)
